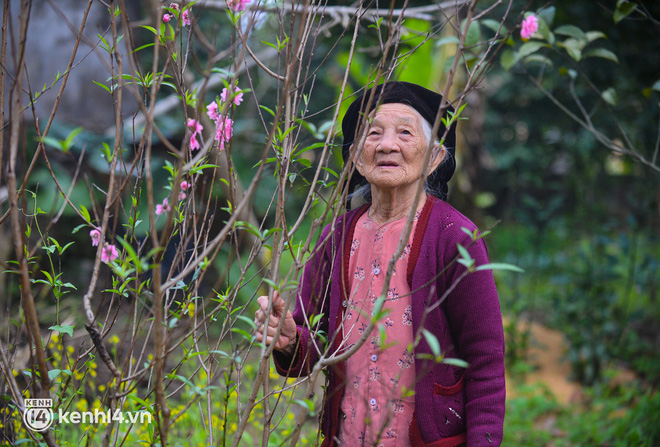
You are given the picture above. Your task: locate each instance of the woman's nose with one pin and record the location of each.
(388, 142)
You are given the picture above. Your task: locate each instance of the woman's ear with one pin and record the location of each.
(441, 153)
(358, 162)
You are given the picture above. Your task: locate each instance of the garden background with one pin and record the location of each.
(138, 221)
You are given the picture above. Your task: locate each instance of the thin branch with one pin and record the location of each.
(343, 13)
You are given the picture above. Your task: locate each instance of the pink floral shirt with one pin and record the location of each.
(376, 407)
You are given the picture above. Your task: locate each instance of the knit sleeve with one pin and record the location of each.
(312, 299)
(475, 321)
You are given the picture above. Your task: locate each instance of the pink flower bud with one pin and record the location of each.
(235, 97)
(167, 18)
(529, 26)
(237, 5)
(185, 18)
(163, 208)
(109, 253)
(197, 129)
(96, 237)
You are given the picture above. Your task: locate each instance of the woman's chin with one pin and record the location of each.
(390, 185)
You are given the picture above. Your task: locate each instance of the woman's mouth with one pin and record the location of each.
(387, 164)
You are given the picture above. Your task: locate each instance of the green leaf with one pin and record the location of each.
(50, 278)
(573, 47)
(499, 266)
(68, 142)
(53, 373)
(131, 254)
(305, 149)
(143, 47)
(595, 35)
(142, 402)
(249, 321)
(244, 333)
(530, 47)
(316, 319)
(463, 252)
(78, 228)
(468, 232)
(53, 142)
(538, 58)
(378, 308)
(602, 52)
(433, 342)
(220, 353)
(334, 173)
(544, 30)
(455, 362)
(449, 40)
(105, 87)
(63, 329)
(610, 96)
(249, 227)
(494, 25)
(85, 213)
(547, 14)
(306, 403)
(473, 36)
(572, 31)
(509, 59)
(194, 388)
(150, 28)
(623, 9)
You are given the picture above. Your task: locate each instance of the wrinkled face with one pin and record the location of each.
(394, 148)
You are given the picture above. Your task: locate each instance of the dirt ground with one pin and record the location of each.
(546, 351)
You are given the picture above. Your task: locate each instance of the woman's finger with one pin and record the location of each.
(263, 302)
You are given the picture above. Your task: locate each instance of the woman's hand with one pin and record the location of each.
(286, 342)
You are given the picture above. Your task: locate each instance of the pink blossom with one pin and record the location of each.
(109, 253)
(163, 208)
(167, 18)
(197, 128)
(184, 185)
(212, 111)
(237, 5)
(224, 130)
(185, 18)
(237, 97)
(174, 6)
(96, 237)
(529, 26)
(182, 195)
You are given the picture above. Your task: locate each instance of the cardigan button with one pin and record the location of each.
(376, 271)
(374, 357)
(372, 401)
(344, 303)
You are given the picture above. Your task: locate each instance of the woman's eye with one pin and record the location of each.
(406, 132)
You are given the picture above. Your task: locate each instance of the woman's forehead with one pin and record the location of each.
(397, 112)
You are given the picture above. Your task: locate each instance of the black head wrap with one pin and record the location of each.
(427, 103)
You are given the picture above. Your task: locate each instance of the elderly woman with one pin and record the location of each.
(389, 392)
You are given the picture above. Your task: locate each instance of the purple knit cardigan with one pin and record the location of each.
(452, 404)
